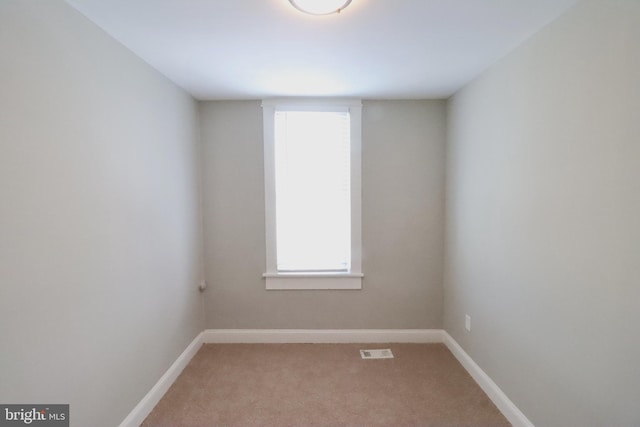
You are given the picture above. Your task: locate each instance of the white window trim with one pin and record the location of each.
(313, 281)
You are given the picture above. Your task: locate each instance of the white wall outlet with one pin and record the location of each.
(467, 322)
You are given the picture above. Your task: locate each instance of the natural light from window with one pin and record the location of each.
(312, 188)
(313, 191)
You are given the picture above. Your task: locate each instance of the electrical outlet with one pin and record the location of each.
(467, 322)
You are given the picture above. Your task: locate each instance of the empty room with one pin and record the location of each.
(319, 213)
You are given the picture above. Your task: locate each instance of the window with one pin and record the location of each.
(312, 194)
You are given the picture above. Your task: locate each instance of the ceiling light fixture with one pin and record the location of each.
(320, 7)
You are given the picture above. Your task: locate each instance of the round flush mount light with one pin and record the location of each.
(320, 7)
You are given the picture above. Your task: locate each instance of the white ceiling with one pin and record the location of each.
(241, 49)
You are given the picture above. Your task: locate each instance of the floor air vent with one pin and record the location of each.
(376, 354)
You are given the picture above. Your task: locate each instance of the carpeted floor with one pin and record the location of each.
(324, 385)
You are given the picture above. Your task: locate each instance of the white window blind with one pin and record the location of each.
(313, 191)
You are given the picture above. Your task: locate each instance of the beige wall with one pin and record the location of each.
(402, 224)
(543, 222)
(99, 236)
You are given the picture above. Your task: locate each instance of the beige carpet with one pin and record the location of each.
(324, 385)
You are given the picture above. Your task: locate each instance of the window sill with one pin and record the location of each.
(313, 281)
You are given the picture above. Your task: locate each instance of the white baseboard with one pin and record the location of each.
(317, 336)
(497, 396)
(151, 399)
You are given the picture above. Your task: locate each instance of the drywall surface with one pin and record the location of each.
(99, 217)
(543, 219)
(402, 223)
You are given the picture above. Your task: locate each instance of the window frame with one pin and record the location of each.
(352, 279)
